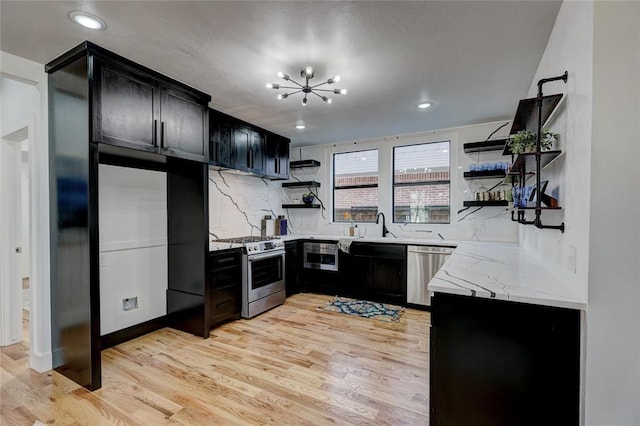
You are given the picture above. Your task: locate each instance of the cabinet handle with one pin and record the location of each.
(155, 133)
(251, 159)
(277, 166)
(162, 134)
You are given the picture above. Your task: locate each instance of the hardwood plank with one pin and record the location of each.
(295, 364)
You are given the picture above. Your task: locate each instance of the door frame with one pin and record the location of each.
(32, 73)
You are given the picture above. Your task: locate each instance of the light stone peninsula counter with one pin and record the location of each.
(503, 271)
(491, 270)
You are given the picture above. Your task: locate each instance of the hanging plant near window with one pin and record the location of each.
(525, 141)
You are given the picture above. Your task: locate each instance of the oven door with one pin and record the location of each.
(265, 274)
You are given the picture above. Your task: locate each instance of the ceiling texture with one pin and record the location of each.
(473, 60)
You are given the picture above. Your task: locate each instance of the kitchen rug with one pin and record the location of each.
(364, 309)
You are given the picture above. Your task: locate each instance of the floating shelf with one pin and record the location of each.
(494, 145)
(301, 164)
(496, 203)
(527, 162)
(305, 184)
(301, 206)
(527, 113)
(535, 208)
(485, 174)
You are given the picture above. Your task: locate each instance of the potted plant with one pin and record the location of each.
(308, 197)
(525, 141)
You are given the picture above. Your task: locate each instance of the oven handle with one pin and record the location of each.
(260, 256)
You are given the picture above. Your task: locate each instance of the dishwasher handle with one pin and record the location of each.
(430, 250)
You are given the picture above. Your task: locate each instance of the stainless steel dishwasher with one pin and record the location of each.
(422, 264)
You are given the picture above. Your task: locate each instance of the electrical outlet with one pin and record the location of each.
(129, 303)
(570, 259)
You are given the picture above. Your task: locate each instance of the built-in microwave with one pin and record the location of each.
(320, 256)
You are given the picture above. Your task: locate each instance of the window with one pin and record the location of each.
(421, 183)
(355, 186)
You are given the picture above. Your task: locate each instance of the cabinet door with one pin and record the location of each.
(359, 282)
(257, 152)
(271, 156)
(184, 126)
(388, 280)
(282, 159)
(276, 160)
(126, 107)
(224, 279)
(241, 144)
(221, 140)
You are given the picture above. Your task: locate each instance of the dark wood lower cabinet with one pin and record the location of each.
(499, 363)
(377, 272)
(292, 265)
(224, 280)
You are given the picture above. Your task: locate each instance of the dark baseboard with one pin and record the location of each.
(126, 334)
(419, 307)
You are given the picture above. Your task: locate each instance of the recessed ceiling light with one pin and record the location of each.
(87, 20)
(424, 105)
(300, 126)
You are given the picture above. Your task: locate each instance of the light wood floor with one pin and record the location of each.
(292, 365)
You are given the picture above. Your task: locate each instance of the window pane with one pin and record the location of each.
(356, 168)
(421, 183)
(357, 205)
(421, 204)
(355, 180)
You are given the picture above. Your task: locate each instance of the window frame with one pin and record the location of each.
(394, 185)
(333, 184)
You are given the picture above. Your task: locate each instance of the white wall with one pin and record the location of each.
(613, 316)
(40, 335)
(238, 203)
(570, 48)
(599, 44)
(488, 224)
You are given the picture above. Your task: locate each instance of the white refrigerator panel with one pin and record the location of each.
(132, 208)
(127, 274)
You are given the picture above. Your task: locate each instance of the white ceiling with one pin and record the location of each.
(473, 59)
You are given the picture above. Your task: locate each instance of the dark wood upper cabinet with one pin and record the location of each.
(276, 158)
(126, 104)
(242, 148)
(135, 108)
(184, 125)
(221, 133)
(257, 152)
(235, 144)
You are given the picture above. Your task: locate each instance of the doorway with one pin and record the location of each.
(20, 103)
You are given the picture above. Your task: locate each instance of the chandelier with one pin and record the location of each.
(306, 74)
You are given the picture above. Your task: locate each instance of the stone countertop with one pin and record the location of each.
(492, 270)
(503, 271)
(217, 246)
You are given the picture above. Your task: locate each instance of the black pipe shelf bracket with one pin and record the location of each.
(544, 107)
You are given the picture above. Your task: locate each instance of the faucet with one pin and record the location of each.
(385, 231)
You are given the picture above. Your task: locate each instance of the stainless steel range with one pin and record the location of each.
(263, 285)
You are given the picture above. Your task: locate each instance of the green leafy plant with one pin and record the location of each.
(525, 141)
